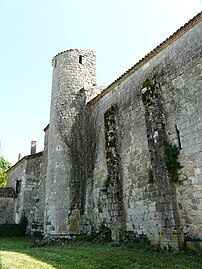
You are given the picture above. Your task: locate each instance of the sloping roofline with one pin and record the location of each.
(195, 20)
(28, 157)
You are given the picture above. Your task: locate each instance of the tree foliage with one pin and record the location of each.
(4, 165)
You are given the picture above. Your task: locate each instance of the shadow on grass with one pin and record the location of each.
(18, 253)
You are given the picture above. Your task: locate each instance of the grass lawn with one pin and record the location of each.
(18, 253)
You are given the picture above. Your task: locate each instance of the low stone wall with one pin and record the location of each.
(7, 212)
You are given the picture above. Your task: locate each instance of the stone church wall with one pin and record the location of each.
(163, 211)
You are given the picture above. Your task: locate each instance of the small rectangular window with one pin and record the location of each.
(80, 59)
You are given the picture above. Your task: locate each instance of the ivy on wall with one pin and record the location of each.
(110, 148)
(149, 94)
(173, 165)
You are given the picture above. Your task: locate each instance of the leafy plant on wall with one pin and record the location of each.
(172, 163)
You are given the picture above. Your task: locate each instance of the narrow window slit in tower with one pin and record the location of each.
(55, 63)
(178, 137)
(18, 186)
(80, 59)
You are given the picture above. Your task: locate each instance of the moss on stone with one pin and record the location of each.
(74, 222)
(150, 176)
(109, 164)
(112, 143)
(149, 94)
(147, 83)
(106, 184)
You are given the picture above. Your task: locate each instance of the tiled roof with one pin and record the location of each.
(7, 193)
(150, 55)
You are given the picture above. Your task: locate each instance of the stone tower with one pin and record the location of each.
(74, 72)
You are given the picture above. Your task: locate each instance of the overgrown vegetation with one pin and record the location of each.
(103, 235)
(171, 160)
(149, 94)
(150, 176)
(148, 84)
(110, 147)
(18, 253)
(14, 229)
(106, 185)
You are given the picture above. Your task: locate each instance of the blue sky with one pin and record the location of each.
(33, 31)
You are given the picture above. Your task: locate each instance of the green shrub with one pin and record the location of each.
(171, 160)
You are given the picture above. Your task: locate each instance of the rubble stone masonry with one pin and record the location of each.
(104, 162)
